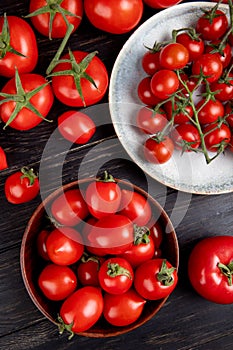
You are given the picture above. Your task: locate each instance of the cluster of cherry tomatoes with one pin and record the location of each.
(188, 91)
(105, 260)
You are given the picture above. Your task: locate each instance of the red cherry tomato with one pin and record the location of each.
(150, 122)
(209, 65)
(88, 270)
(21, 39)
(136, 207)
(195, 46)
(81, 310)
(117, 17)
(158, 151)
(164, 83)
(57, 282)
(123, 309)
(42, 21)
(212, 25)
(22, 186)
(210, 269)
(145, 94)
(160, 4)
(150, 62)
(64, 246)
(216, 137)
(76, 127)
(209, 112)
(229, 113)
(69, 208)
(155, 279)
(180, 111)
(223, 88)
(41, 244)
(103, 196)
(224, 53)
(174, 56)
(116, 275)
(3, 159)
(186, 137)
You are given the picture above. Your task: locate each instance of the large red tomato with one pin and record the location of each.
(160, 4)
(117, 17)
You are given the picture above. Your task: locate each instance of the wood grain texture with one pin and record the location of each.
(186, 322)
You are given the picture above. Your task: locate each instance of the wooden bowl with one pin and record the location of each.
(31, 263)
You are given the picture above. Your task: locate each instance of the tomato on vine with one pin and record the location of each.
(213, 24)
(216, 136)
(158, 150)
(164, 83)
(149, 121)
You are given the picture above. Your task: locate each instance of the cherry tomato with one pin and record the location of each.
(57, 282)
(209, 65)
(158, 151)
(164, 83)
(112, 234)
(210, 268)
(209, 112)
(174, 56)
(58, 29)
(69, 208)
(22, 186)
(117, 17)
(81, 310)
(136, 207)
(212, 25)
(65, 86)
(76, 126)
(143, 248)
(123, 309)
(64, 246)
(150, 62)
(186, 137)
(224, 53)
(3, 159)
(217, 137)
(156, 233)
(21, 39)
(229, 113)
(145, 94)
(230, 145)
(195, 46)
(88, 270)
(103, 196)
(41, 244)
(151, 122)
(180, 111)
(26, 118)
(223, 88)
(116, 275)
(155, 279)
(160, 4)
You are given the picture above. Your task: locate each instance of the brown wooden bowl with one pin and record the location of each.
(31, 263)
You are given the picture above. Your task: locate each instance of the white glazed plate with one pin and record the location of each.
(188, 172)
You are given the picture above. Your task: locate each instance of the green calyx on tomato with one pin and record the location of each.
(227, 270)
(5, 40)
(106, 177)
(141, 235)
(53, 7)
(114, 269)
(165, 274)
(77, 71)
(62, 326)
(21, 99)
(29, 174)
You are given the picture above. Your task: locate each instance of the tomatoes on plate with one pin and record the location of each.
(150, 121)
(157, 150)
(117, 17)
(76, 127)
(209, 66)
(116, 275)
(81, 310)
(223, 88)
(123, 309)
(29, 98)
(194, 44)
(217, 137)
(210, 268)
(3, 159)
(145, 93)
(164, 83)
(69, 208)
(179, 110)
(22, 186)
(49, 17)
(103, 196)
(155, 279)
(64, 246)
(20, 46)
(186, 137)
(174, 56)
(150, 61)
(213, 24)
(85, 81)
(209, 111)
(57, 282)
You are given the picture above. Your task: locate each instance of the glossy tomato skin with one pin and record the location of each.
(64, 246)
(216, 137)
(195, 47)
(147, 283)
(88, 270)
(158, 152)
(210, 65)
(150, 122)
(224, 55)
(57, 282)
(76, 126)
(180, 115)
(123, 309)
(59, 28)
(210, 111)
(41, 244)
(42, 101)
(160, 4)
(69, 208)
(112, 234)
(3, 159)
(145, 93)
(116, 275)
(83, 308)
(174, 56)
(223, 89)
(186, 136)
(103, 198)
(136, 207)
(164, 83)
(229, 112)
(18, 189)
(150, 62)
(23, 40)
(116, 17)
(212, 29)
(64, 86)
(204, 272)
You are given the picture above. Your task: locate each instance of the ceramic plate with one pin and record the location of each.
(188, 172)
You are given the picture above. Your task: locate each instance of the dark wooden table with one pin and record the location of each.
(186, 321)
